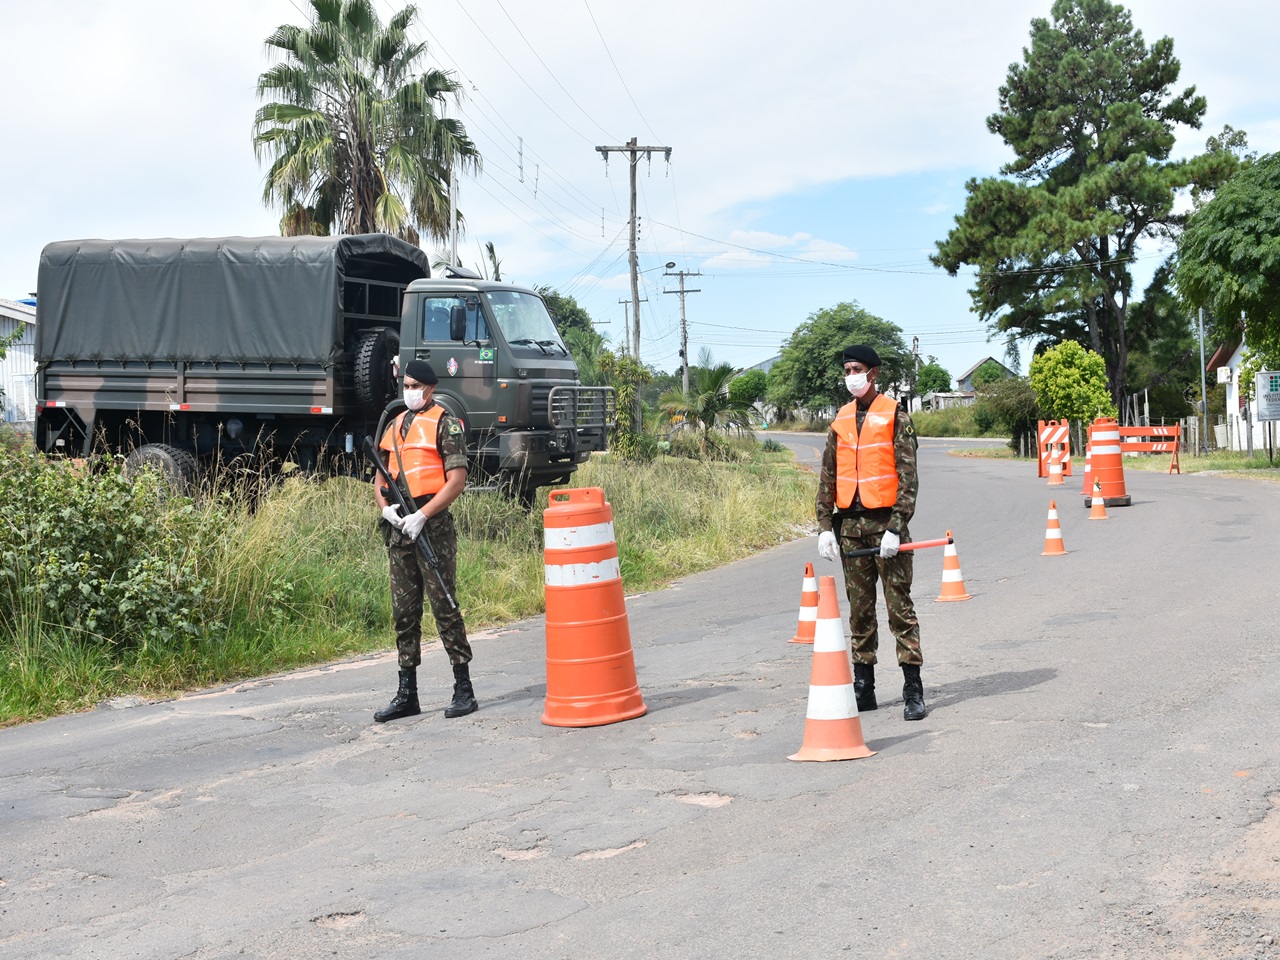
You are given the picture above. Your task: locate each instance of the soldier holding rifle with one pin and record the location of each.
(425, 450)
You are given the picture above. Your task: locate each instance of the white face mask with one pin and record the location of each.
(857, 383)
(415, 399)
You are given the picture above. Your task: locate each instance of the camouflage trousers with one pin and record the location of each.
(860, 576)
(411, 577)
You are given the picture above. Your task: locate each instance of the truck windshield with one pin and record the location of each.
(524, 321)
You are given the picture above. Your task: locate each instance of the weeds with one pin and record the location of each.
(154, 593)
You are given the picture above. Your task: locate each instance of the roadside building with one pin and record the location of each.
(1235, 426)
(18, 368)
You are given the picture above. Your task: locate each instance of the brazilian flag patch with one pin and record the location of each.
(486, 353)
(455, 427)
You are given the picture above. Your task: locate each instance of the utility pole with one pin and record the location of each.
(915, 371)
(1204, 393)
(634, 152)
(684, 327)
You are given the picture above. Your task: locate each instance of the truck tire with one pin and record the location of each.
(176, 466)
(376, 353)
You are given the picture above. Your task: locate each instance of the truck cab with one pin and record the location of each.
(505, 372)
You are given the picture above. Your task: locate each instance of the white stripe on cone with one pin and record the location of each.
(570, 538)
(809, 613)
(832, 703)
(582, 574)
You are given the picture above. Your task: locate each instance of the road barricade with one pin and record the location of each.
(1054, 435)
(1153, 440)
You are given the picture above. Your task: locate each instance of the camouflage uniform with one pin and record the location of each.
(860, 528)
(410, 575)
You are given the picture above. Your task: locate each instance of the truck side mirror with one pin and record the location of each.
(458, 322)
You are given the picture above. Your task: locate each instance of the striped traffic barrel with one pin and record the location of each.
(591, 670)
(1107, 462)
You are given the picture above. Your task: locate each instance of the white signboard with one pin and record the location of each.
(1267, 390)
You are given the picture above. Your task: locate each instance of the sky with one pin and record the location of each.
(819, 150)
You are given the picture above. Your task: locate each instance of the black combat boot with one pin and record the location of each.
(405, 702)
(464, 697)
(864, 686)
(912, 693)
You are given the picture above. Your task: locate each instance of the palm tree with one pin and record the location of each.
(707, 405)
(354, 134)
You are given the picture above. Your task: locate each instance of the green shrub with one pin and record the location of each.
(107, 558)
(948, 422)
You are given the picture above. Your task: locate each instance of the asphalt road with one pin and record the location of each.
(1097, 777)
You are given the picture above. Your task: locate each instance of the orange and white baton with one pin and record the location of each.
(913, 545)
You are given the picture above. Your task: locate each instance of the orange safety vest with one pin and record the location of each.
(423, 465)
(865, 462)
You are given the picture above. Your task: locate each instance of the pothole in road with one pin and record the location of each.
(701, 799)
(340, 921)
(606, 854)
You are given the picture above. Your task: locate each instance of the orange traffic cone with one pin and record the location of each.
(1053, 534)
(1055, 468)
(832, 730)
(1098, 508)
(952, 580)
(808, 607)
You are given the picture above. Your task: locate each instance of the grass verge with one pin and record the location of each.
(301, 577)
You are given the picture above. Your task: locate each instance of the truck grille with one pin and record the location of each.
(578, 406)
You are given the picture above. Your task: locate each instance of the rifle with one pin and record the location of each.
(423, 542)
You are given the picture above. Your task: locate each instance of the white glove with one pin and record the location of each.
(412, 525)
(889, 545)
(828, 548)
(391, 514)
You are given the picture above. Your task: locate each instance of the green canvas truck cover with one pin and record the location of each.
(231, 299)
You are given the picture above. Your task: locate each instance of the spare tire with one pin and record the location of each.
(375, 375)
(176, 466)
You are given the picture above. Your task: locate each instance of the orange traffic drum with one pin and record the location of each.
(591, 670)
(1107, 462)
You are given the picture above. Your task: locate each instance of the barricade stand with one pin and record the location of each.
(1108, 463)
(808, 607)
(591, 670)
(832, 730)
(1051, 435)
(1161, 440)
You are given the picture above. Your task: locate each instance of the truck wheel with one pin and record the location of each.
(375, 375)
(176, 466)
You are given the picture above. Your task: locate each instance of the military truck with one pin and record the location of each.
(188, 354)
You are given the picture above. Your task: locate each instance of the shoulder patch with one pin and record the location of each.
(910, 429)
(455, 427)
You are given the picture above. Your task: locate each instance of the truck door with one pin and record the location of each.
(466, 368)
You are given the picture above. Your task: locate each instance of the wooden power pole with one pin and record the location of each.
(633, 151)
(684, 327)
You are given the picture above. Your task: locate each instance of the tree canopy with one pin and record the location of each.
(1229, 256)
(565, 312)
(1090, 116)
(809, 372)
(355, 135)
(1070, 383)
(989, 372)
(932, 378)
(749, 387)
